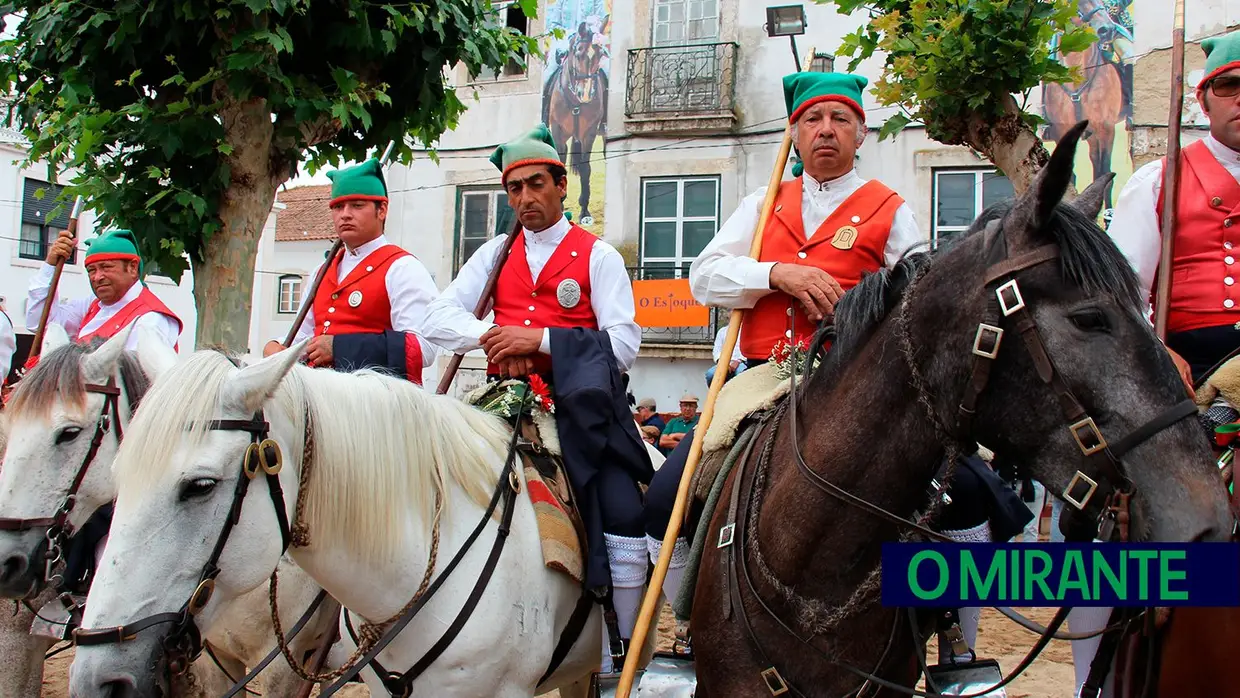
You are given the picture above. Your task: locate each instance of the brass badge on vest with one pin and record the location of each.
(844, 238)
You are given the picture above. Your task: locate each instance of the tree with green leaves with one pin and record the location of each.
(181, 119)
(958, 66)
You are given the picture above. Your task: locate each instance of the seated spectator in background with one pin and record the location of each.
(648, 415)
(735, 366)
(680, 425)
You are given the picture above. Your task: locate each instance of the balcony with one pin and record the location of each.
(686, 89)
(689, 342)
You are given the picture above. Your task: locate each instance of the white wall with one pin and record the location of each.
(16, 273)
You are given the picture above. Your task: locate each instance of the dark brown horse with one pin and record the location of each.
(575, 108)
(1098, 97)
(801, 598)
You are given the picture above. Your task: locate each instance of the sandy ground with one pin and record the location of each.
(1049, 677)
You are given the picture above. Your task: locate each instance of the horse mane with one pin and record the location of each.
(381, 446)
(860, 311)
(1087, 258)
(58, 375)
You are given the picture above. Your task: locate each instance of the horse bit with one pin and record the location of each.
(59, 530)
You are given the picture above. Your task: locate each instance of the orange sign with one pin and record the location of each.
(668, 303)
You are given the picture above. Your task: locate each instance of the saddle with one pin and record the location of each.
(560, 527)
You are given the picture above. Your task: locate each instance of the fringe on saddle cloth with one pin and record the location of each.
(755, 390)
(559, 525)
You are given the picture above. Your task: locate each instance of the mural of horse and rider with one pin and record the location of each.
(1103, 96)
(575, 100)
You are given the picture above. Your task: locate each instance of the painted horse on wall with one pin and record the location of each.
(575, 107)
(1103, 95)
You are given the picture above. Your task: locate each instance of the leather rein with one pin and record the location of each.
(59, 530)
(1006, 311)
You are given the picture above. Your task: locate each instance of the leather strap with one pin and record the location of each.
(570, 634)
(121, 633)
(240, 686)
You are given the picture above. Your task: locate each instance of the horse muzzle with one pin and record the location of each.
(23, 557)
(135, 669)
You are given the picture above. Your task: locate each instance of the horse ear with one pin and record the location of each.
(54, 337)
(1090, 201)
(100, 364)
(255, 384)
(154, 354)
(1027, 220)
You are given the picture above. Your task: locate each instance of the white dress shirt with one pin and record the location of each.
(1135, 227)
(410, 289)
(451, 324)
(8, 345)
(69, 314)
(736, 348)
(725, 275)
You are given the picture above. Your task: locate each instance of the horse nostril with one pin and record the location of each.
(13, 567)
(120, 688)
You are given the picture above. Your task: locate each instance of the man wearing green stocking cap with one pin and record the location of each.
(829, 227)
(114, 268)
(564, 311)
(368, 311)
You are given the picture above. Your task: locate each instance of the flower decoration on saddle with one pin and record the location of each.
(789, 357)
(505, 397)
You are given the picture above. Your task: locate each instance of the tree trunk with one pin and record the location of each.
(1010, 144)
(224, 278)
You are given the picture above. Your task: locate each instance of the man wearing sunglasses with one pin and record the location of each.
(1205, 298)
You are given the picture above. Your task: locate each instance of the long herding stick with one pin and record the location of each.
(36, 347)
(482, 307)
(650, 601)
(1171, 176)
(318, 279)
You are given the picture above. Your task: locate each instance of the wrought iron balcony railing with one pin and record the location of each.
(681, 80)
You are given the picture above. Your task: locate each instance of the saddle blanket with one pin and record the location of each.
(559, 525)
(754, 391)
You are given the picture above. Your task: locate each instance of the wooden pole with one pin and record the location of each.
(481, 308)
(1171, 176)
(650, 602)
(36, 346)
(318, 279)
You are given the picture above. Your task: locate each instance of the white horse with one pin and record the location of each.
(52, 421)
(384, 451)
(21, 673)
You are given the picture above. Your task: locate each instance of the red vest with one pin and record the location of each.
(849, 243)
(519, 301)
(146, 302)
(359, 303)
(1207, 244)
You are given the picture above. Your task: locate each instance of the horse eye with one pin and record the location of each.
(1092, 320)
(66, 435)
(196, 489)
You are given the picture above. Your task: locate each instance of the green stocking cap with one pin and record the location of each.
(1222, 54)
(362, 182)
(804, 90)
(114, 244)
(534, 148)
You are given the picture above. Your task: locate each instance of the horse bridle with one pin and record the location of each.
(1006, 304)
(184, 643)
(59, 530)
